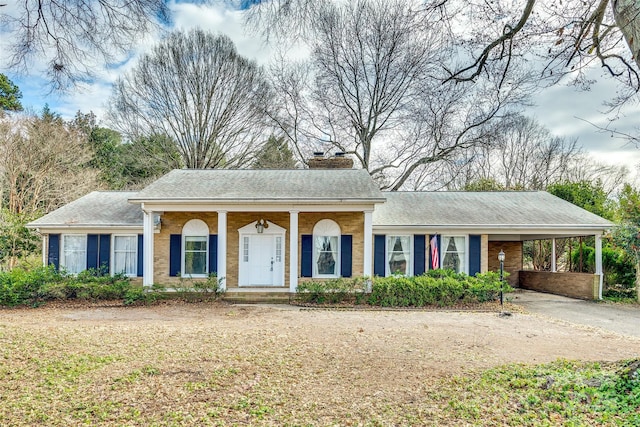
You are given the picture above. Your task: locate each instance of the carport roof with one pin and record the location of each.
(523, 209)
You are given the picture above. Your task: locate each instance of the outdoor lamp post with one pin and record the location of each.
(501, 259)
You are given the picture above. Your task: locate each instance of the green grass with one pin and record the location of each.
(561, 393)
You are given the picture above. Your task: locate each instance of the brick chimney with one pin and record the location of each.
(337, 161)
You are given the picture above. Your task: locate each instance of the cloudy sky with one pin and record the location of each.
(564, 110)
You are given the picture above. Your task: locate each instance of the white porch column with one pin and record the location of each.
(45, 254)
(147, 243)
(293, 251)
(368, 244)
(553, 255)
(222, 249)
(599, 264)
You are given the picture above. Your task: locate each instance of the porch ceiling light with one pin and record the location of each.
(261, 225)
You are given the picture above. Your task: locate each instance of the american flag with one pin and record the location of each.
(435, 259)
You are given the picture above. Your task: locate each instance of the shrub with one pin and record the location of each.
(436, 287)
(332, 291)
(21, 287)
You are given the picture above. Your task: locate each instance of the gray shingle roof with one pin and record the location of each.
(511, 208)
(98, 208)
(262, 185)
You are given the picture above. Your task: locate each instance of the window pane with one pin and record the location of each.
(326, 254)
(75, 253)
(399, 254)
(195, 263)
(125, 255)
(195, 255)
(453, 258)
(196, 243)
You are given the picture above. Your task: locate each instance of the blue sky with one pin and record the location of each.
(566, 111)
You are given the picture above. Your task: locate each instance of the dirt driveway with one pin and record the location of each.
(622, 319)
(184, 364)
(439, 341)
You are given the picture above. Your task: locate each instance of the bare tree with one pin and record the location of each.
(195, 88)
(72, 36)
(43, 164)
(567, 35)
(568, 38)
(372, 89)
(524, 155)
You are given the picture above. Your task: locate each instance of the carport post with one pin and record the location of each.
(599, 264)
(553, 255)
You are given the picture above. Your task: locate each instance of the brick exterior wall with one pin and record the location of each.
(574, 285)
(484, 253)
(512, 259)
(349, 222)
(172, 223)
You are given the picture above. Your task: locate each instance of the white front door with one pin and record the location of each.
(261, 260)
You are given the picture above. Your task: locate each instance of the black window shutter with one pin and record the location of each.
(379, 242)
(92, 251)
(346, 243)
(53, 251)
(104, 253)
(306, 259)
(419, 242)
(175, 254)
(475, 251)
(213, 253)
(140, 265)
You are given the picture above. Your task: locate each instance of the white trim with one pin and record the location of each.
(194, 228)
(147, 245)
(598, 256)
(112, 254)
(93, 229)
(45, 249)
(293, 251)
(333, 229)
(368, 244)
(258, 206)
(222, 249)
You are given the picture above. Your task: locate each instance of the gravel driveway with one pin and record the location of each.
(622, 319)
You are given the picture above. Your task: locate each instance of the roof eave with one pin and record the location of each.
(314, 201)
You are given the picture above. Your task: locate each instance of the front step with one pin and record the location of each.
(258, 297)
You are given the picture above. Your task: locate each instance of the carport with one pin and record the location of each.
(552, 279)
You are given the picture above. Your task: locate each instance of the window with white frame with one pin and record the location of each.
(125, 254)
(195, 249)
(326, 249)
(398, 255)
(453, 253)
(74, 253)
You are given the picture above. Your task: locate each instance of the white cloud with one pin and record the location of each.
(566, 111)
